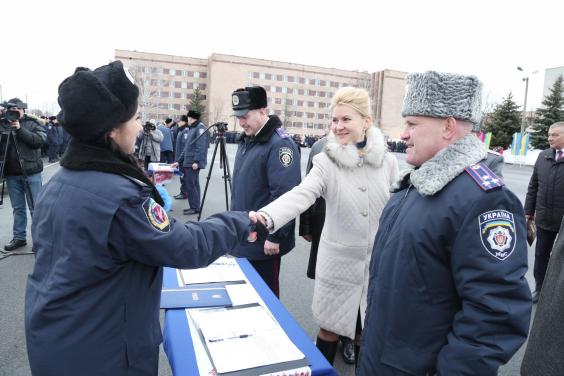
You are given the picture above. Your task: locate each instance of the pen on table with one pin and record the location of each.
(224, 339)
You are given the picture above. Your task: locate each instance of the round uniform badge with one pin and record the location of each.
(286, 156)
(156, 215)
(235, 100)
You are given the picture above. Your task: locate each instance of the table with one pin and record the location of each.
(178, 343)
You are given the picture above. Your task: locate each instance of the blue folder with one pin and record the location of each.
(195, 297)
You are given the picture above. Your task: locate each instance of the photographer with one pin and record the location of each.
(150, 147)
(29, 136)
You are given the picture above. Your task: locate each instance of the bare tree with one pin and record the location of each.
(216, 113)
(142, 76)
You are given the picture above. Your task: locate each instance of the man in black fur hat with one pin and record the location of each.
(267, 165)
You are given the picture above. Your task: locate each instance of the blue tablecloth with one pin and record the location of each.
(178, 344)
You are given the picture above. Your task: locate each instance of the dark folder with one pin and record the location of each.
(195, 298)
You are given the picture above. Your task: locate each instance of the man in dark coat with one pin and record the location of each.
(23, 185)
(543, 356)
(545, 200)
(267, 165)
(179, 142)
(194, 158)
(447, 293)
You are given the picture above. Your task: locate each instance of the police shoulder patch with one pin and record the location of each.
(497, 232)
(156, 215)
(286, 156)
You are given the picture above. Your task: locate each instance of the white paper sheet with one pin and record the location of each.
(224, 269)
(241, 294)
(243, 338)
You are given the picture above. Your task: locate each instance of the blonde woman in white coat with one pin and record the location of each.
(353, 174)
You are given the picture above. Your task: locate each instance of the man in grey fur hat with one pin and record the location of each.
(447, 293)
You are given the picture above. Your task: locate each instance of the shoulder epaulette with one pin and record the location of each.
(484, 177)
(134, 180)
(282, 132)
(493, 152)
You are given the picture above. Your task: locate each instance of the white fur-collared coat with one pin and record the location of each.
(356, 189)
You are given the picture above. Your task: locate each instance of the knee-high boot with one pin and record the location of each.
(328, 349)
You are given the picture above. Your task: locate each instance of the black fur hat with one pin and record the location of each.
(249, 98)
(184, 118)
(194, 114)
(94, 102)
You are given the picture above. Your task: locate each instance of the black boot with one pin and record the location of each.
(328, 349)
(348, 350)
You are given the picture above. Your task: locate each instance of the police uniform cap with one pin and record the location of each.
(194, 114)
(249, 98)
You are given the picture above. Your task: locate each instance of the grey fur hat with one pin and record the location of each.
(443, 95)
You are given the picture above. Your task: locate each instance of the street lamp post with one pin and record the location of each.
(524, 116)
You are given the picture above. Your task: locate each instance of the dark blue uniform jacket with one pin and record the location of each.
(266, 166)
(441, 298)
(195, 146)
(92, 300)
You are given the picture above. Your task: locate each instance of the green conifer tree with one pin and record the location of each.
(552, 111)
(503, 122)
(196, 102)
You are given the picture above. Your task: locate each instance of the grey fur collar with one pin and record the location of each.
(440, 170)
(346, 156)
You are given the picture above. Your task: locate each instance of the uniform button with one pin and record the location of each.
(363, 189)
(364, 213)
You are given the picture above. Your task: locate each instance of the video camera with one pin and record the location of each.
(221, 126)
(148, 127)
(8, 116)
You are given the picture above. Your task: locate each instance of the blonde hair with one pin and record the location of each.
(353, 97)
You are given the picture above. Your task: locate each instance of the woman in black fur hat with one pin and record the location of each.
(101, 237)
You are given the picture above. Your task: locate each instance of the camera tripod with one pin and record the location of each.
(223, 163)
(7, 138)
(147, 137)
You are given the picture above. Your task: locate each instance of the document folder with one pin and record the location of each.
(195, 298)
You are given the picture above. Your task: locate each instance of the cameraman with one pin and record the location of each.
(150, 148)
(29, 136)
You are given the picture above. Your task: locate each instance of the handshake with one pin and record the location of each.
(259, 231)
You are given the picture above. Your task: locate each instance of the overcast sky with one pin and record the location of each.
(43, 41)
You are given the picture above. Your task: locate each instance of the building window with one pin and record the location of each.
(320, 116)
(279, 77)
(285, 90)
(278, 89)
(256, 75)
(262, 76)
(159, 70)
(171, 106)
(171, 94)
(165, 71)
(184, 73)
(273, 89)
(177, 107)
(300, 103)
(268, 76)
(203, 74)
(300, 91)
(184, 85)
(290, 90)
(196, 74)
(312, 93)
(322, 83)
(299, 114)
(289, 102)
(196, 85)
(159, 82)
(310, 104)
(170, 83)
(302, 80)
(334, 84)
(321, 94)
(154, 70)
(172, 72)
(310, 115)
(204, 97)
(178, 95)
(290, 78)
(203, 86)
(322, 104)
(190, 74)
(278, 100)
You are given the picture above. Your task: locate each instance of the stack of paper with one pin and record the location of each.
(244, 337)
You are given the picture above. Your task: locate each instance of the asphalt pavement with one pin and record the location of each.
(296, 288)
